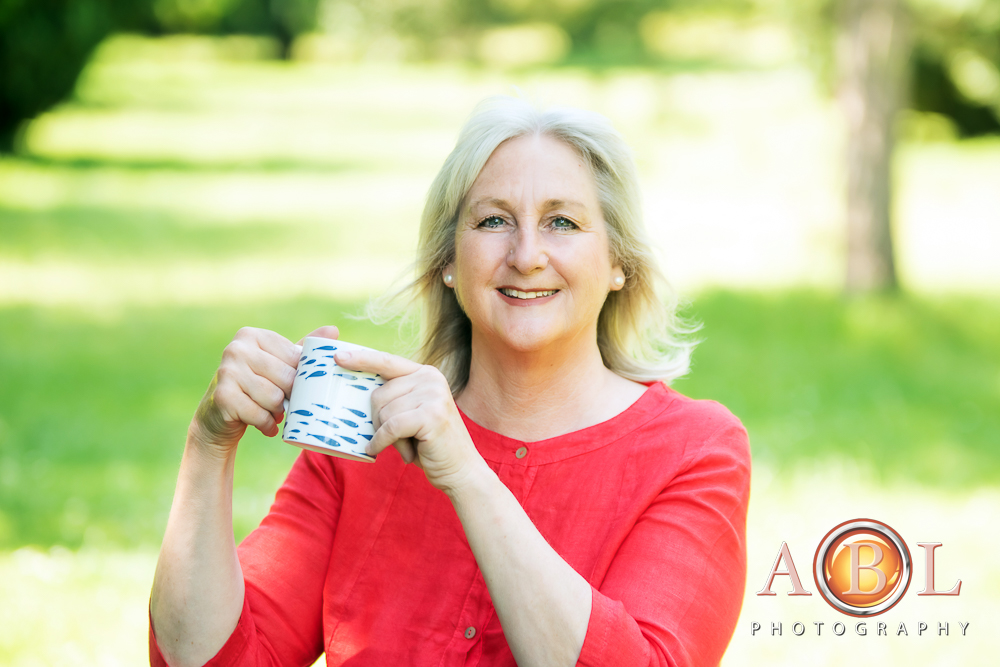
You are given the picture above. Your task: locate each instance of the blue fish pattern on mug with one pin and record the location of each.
(304, 431)
(325, 440)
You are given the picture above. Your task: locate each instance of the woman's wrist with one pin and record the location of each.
(475, 479)
(202, 450)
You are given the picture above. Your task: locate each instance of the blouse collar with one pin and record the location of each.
(501, 449)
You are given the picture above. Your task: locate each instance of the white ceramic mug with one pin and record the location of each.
(330, 408)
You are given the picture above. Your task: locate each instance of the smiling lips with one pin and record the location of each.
(517, 294)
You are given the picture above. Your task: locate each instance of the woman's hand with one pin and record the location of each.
(415, 412)
(249, 388)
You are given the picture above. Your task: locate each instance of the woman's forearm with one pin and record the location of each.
(197, 592)
(543, 604)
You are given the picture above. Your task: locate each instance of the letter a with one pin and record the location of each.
(797, 589)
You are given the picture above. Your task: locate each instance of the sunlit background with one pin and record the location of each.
(211, 168)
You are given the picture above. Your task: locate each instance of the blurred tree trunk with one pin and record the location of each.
(872, 52)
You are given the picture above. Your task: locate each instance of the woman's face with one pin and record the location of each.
(532, 264)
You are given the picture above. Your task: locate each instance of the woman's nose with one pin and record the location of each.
(527, 254)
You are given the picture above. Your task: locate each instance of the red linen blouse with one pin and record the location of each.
(369, 563)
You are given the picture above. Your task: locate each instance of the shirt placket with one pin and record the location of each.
(467, 645)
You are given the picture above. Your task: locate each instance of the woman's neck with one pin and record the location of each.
(533, 396)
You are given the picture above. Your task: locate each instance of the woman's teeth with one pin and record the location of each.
(526, 295)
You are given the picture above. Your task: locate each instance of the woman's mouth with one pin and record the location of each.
(516, 294)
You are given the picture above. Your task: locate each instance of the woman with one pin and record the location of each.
(563, 507)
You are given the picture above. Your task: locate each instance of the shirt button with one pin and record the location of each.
(521, 452)
(470, 632)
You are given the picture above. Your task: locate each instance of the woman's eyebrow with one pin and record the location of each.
(491, 201)
(562, 203)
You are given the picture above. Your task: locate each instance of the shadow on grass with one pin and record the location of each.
(258, 165)
(93, 412)
(113, 234)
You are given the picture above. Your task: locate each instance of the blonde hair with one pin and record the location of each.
(638, 332)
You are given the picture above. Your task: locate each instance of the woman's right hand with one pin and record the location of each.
(249, 388)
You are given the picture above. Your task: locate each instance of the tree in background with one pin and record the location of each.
(44, 45)
(930, 56)
(955, 63)
(871, 54)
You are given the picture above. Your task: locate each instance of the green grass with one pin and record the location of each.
(93, 412)
(908, 386)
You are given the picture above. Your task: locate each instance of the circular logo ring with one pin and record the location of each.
(891, 537)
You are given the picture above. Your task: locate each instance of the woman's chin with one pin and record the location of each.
(525, 339)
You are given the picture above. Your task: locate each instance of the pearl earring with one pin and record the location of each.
(448, 279)
(619, 281)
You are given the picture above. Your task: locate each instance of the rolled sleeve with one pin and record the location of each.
(231, 653)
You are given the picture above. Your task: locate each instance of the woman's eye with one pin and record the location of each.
(563, 223)
(492, 222)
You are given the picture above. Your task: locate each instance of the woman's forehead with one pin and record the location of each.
(535, 168)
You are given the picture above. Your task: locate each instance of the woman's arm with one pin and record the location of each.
(198, 589)
(543, 604)
(197, 592)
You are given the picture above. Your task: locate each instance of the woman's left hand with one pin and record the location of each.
(415, 412)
